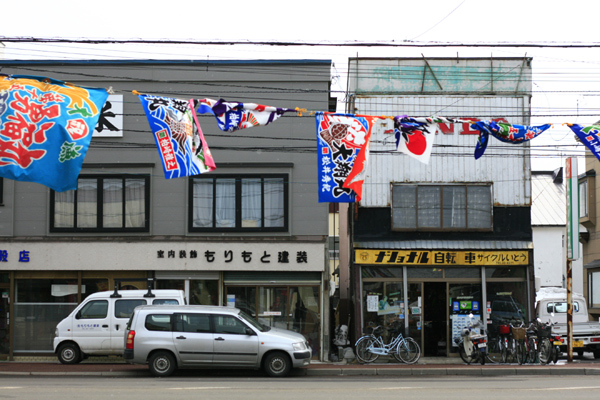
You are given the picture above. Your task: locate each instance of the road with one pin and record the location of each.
(194, 386)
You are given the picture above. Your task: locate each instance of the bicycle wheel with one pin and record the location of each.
(504, 351)
(521, 351)
(494, 350)
(363, 346)
(409, 351)
(531, 351)
(545, 351)
(512, 351)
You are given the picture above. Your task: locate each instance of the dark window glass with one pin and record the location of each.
(158, 322)
(124, 308)
(95, 309)
(441, 207)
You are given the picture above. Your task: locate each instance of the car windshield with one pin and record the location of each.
(254, 323)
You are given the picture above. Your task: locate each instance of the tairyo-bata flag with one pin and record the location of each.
(46, 127)
(415, 136)
(343, 143)
(504, 132)
(232, 116)
(179, 138)
(589, 136)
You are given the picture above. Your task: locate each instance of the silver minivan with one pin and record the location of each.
(170, 337)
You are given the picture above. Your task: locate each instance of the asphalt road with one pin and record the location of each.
(313, 388)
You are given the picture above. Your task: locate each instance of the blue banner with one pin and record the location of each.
(46, 127)
(181, 144)
(589, 137)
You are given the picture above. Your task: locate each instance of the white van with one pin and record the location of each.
(96, 327)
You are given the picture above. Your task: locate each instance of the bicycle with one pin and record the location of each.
(369, 347)
(519, 335)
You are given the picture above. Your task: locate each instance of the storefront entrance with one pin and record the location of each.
(435, 303)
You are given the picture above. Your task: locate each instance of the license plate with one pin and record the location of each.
(558, 343)
(481, 345)
(577, 343)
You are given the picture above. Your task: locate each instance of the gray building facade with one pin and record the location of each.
(60, 247)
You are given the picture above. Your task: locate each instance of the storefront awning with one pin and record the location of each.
(447, 244)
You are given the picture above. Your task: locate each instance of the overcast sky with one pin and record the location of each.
(567, 79)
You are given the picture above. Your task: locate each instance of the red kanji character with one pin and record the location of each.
(77, 128)
(35, 111)
(20, 154)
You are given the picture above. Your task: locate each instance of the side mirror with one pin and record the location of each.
(250, 332)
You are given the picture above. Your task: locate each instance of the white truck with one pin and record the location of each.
(552, 306)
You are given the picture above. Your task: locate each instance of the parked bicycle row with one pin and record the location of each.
(517, 342)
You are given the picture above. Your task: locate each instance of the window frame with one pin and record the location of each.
(238, 203)
(440, 209)
(99, 206)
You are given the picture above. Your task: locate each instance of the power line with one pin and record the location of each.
(347, 43)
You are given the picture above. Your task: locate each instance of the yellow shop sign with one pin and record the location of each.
(441, 257)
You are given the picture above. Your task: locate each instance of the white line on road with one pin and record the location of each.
(201, 388)
(568, 388)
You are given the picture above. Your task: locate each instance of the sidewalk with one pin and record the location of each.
(425, 366)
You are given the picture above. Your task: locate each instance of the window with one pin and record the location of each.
(441, 207)
(158, 322)
(124, 308)
(561, 307)
(95, 309)
(192, 322)
(594, 289)
(111, 203)
(227, 324)
(239, 203)
(334, 247)
(583, 199)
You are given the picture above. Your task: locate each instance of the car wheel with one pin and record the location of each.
(162, 364)
(69, 353)
(277, 364)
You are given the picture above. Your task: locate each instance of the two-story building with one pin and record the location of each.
(431, 243)
(250, 234)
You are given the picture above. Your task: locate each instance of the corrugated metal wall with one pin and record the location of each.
(505, 165)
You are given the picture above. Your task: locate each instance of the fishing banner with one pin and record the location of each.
(504, 132)
(343, 143)
(589, 136)
(232, 116)
(415, 136)
(46, 126)
(178, 136)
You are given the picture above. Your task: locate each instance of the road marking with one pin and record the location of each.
(400, 388)
(11, 387)
(201, 388)
(568, 388)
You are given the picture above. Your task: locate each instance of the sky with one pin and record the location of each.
(566, 80)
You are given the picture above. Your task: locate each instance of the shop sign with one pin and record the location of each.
(441, 257)
(23, 256)
(227, 256)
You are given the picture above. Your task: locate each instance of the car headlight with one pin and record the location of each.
(299, 346)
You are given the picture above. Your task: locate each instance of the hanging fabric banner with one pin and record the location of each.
(415, 136)
(46, 126)
(504, 132)
(178, 136)
(343, 142)
(589, 136)
(232, 116)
